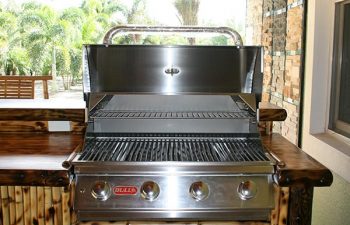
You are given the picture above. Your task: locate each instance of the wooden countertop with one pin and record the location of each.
(42, 110)
(36, 159)
(295, 167)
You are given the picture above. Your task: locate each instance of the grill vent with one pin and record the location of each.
(148, 149)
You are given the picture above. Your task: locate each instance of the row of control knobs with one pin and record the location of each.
(150, 190)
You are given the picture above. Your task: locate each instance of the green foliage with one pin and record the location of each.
(20, 60)
(34, 38)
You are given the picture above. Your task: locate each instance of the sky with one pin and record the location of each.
(214, 11)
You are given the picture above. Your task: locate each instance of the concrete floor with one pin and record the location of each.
(76, 92)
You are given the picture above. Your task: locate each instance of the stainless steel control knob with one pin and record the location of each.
(247, 190)
(101, 190)
(199, 190)
(149, 190)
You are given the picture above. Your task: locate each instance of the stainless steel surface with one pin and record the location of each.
(175, 199)
(101, 190)
(141, 69)
(199, 190)
(247, 190)
(172, 133)
(158, 148)
(172, 114)
(173, 126)
(135, 29)
(186, 168)
(174, 176)
(170, 215)
(149, 190)
(168, 103)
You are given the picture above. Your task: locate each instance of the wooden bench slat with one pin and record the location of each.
(21, 86)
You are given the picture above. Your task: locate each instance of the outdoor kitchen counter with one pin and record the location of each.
(36, 159)
(29, 153)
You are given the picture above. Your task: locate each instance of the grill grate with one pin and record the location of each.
(147, 149)
(170, 115)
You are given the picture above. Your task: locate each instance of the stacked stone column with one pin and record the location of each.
(281, 36)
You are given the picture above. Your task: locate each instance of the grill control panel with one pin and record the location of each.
(174, 192)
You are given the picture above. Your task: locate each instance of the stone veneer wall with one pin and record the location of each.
(277, 25)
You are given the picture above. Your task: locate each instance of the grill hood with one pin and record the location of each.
(172, 70)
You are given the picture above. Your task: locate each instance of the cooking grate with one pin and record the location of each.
(171, 115)
(146, 149)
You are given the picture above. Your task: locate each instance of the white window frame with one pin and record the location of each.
(326, 146)
(335, 124)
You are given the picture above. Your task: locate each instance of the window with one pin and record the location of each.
(340, 93)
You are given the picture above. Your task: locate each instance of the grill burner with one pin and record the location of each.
(148, 149)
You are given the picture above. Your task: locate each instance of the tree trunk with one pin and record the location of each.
(191, 40)
(54, 71)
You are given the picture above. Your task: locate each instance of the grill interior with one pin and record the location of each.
(175, 148)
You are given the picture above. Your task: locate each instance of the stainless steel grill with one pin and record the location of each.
(184, 149)
(172, 134)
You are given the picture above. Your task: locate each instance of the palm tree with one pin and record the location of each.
(45, 33)
(11, 52)
(188, 13)
(134, 14)
(74, 19)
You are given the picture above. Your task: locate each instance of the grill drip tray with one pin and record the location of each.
(178, 148)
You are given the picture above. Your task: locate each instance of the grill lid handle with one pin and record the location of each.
(107, 40)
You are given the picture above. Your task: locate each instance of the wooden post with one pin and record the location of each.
(5, 205)
(48, 206)
(41, 206)
(45, 89)
(300, 205)
(19, 205)
(66, 207)
(32, 89)
(26, 205)
(283, 206)
(1, 215)
(275, 211)
(269, 127)
(33, 205)
(57, 205)
(12, 204)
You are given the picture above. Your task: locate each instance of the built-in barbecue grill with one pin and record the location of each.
(172, 133)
